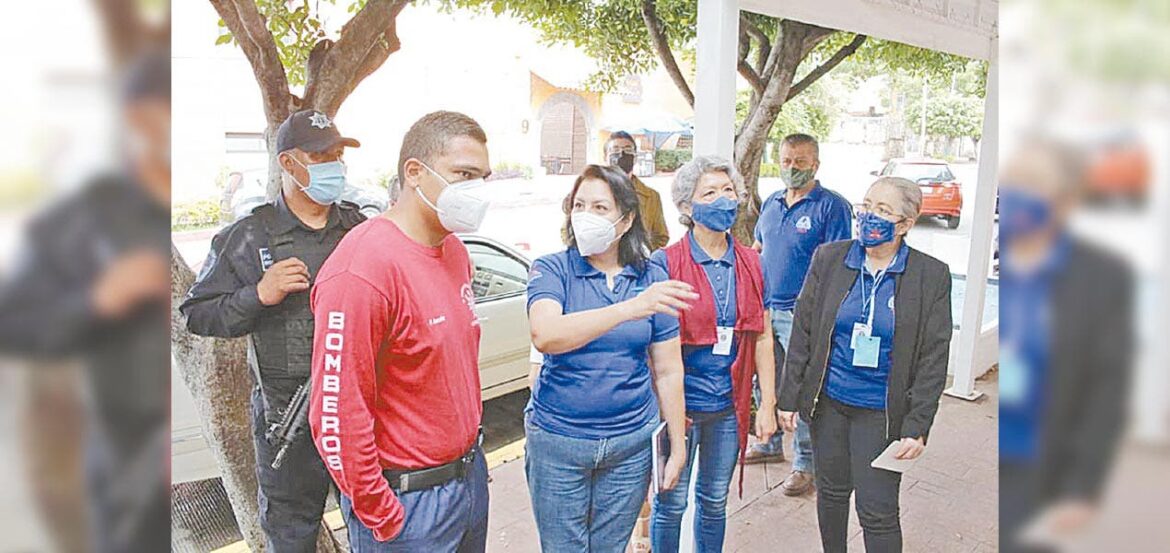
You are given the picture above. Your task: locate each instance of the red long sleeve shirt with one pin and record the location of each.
(395, 381)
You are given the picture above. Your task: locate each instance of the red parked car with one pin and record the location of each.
(942, 194)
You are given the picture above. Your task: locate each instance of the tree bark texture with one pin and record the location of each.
(215, 371)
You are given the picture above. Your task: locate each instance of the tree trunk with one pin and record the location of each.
(272, 189)
(796, 40)
(748, 165)
(216, 373)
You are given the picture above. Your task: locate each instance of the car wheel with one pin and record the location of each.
(953, 222)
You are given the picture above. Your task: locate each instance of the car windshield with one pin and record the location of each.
(923, 172)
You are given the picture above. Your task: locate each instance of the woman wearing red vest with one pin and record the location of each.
(725, 336)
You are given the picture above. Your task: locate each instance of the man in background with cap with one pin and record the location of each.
(256, 283)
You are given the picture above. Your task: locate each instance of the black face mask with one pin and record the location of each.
(622, 160)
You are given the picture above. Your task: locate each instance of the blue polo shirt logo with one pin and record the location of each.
(804, 224)
(791, 234)
(602, 389)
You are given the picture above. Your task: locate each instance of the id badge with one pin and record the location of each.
(865, 354)
(266, 260)
(1013, 378)
(859, 329)
(724, 335)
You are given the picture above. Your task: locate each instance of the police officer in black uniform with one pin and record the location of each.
(256, 283)
(93, 284)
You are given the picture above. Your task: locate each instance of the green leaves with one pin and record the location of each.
(296, 28)
(952, 115)
(610, 31)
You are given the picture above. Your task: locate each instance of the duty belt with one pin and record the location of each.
(405, 481)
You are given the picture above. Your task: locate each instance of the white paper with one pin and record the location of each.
(887, 461)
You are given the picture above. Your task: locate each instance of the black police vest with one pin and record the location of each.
(283, 337)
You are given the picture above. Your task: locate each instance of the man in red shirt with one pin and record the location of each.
(396, 403)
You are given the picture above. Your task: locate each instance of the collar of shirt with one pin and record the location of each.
(582, 268)
(700, 256)
(640, 188)
(1053, 263)
(286, 220)
(813, 195)
(855, 259)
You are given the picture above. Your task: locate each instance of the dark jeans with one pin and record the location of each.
(845, 441)
(715, 436)
(128, 506)
(451, 518)
(292, 499)
(1020, 501)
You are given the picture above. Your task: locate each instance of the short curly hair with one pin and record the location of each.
(687, 178)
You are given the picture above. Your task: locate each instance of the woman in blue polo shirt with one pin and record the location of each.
(726, 338)
(607, 324)
(870, 343)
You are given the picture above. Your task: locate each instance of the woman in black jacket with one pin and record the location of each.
(868, 362)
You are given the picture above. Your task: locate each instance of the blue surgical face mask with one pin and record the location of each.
(718, 215)
(873, 230)
(326, 181)
(1021, 214)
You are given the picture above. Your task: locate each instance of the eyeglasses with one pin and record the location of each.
(880, 211)
(625, 150)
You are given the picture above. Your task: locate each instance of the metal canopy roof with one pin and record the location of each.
(962, 27)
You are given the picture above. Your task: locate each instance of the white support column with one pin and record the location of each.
(715, 74)
(714, 87)
(1151, 383)
(979, 258)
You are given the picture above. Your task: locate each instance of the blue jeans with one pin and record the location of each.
(715, 436)
(782, 327)
(452, 517)
(586, 494)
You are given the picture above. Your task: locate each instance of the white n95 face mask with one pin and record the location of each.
(593, 232)
(459, 209)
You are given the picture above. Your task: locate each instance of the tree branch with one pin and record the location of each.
(378, 54)
(127, 33)
(662, 48)
(750, 75)
(768, 77)
(824, 68)
(777, 52)
(795, 40)
(354, 56)
(249, 29)
(764, 43)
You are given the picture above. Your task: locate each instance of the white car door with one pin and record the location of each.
(500, 285)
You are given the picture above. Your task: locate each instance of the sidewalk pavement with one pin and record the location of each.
(949, 498)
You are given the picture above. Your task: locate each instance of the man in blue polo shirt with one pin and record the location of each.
(793, 223)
